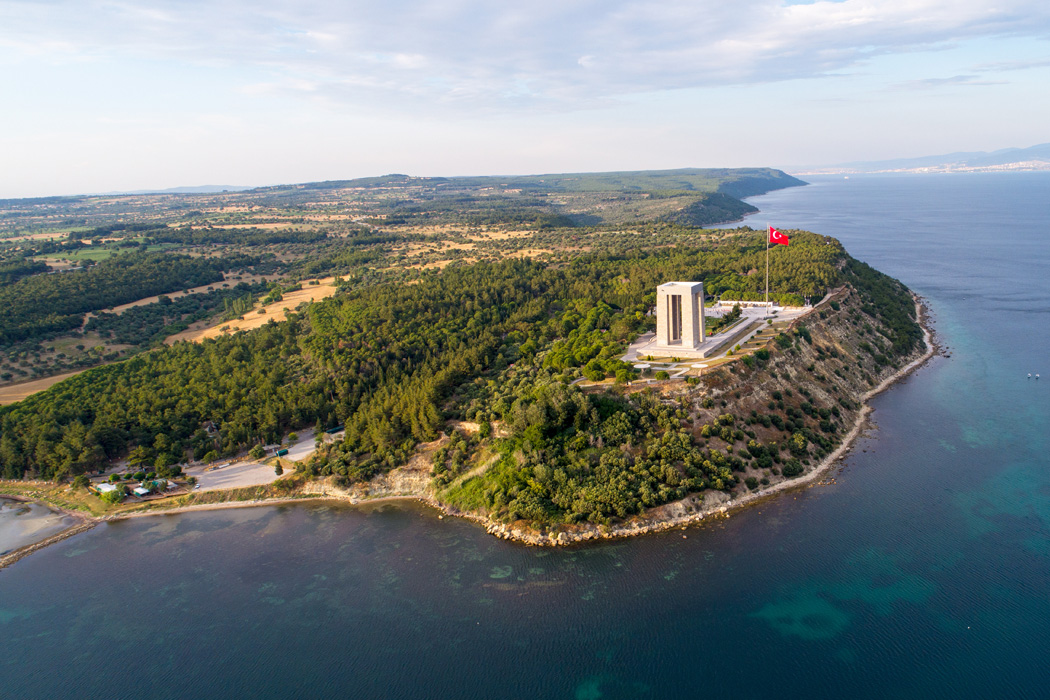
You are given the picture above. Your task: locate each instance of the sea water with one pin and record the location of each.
(922, 571)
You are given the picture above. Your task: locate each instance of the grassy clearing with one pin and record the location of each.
(288, 487)
(274, 311)
(60, 495)
(98, 254)
(84, 501)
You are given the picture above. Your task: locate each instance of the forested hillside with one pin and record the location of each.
(40, 305)
(394, 361)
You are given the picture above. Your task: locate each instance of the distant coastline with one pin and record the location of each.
(931, 170)
(1030, 159)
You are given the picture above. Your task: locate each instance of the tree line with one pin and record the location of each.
(45, 305)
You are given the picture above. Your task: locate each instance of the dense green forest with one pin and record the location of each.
(712, 208)
(16, 268)
(736, 182)
(571, 456)
(393, 361)
(187, 235)
(249, 236)
(43, 305)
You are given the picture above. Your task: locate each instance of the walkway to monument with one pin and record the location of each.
(720, 343)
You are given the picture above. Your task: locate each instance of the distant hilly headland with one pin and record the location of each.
(1006, 159)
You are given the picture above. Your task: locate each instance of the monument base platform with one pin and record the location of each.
(679, 351)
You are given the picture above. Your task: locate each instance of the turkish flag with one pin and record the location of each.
(777, 237)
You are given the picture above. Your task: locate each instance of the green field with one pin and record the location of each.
(100, 253)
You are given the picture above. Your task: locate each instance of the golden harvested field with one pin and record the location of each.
(16, 392)
(175, 295)
(253, 319)
(282, 224)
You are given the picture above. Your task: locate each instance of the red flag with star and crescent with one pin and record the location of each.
(777, 237)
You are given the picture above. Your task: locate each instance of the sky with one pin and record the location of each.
(108, 95)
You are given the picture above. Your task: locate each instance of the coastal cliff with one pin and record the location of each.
(780, 423)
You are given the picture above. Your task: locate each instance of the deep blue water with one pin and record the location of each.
(923, 572)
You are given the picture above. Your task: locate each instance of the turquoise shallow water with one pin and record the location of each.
(924, 572)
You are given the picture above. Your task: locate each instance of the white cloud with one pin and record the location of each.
(951, 81)
(117, 94)
(1003, 66)
(483, 53)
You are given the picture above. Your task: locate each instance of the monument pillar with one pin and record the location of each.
(680, 316)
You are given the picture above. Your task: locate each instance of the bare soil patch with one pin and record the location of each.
(16, 392)
(229, 280)
(253, 319)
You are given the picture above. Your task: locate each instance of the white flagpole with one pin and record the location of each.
(768, 229)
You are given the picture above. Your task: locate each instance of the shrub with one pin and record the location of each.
(799, 444)
(663, 374)
(81, 482)
(114, 497)
(752, 482)
(792, 468)
(257, 452)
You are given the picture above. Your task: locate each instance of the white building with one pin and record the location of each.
(680, 327)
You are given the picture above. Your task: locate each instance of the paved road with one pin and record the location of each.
(236, 475)
(303, 447)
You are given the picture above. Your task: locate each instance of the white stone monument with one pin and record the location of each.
(679, 319)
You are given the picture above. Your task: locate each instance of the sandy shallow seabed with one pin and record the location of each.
(81, 523)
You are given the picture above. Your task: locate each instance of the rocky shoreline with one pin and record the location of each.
(683, 512)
